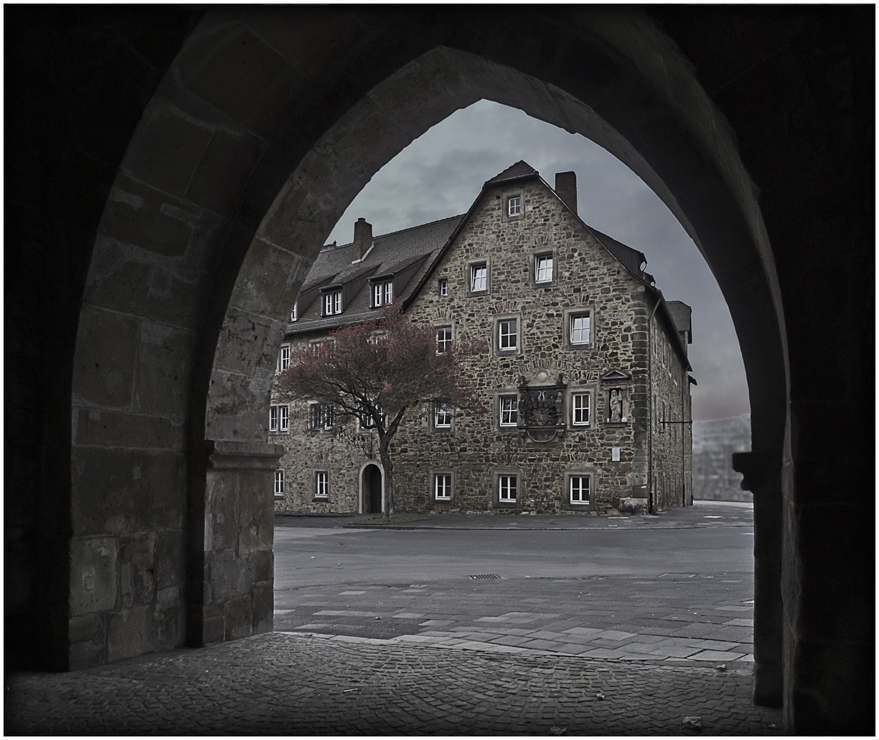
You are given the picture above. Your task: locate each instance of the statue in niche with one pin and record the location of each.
(616, 406)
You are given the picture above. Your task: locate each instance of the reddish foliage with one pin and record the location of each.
(378, 369)
(383, 365)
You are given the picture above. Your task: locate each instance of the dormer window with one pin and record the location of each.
(382, 293)
(332, 303)
(294, 314)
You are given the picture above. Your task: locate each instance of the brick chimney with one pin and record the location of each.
(566, 189)
(362, 239)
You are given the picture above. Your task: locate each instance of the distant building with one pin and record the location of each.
(714, 443)
(585, 370)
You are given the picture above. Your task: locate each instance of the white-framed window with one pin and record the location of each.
(279, 483)
(383, 293)
(320, 417)
(507, 487)
(514, 206)
(442, 486)
(283, 358)
(508, 334)
(442, 416)
(294, 314)
(543, 268)
(321, 484)
(365, 420)
(279, 418)
(579, 489)
(478, 277)
(579, 328)
(443, 287)
(509, 410)
(332, 303)
(580, 409)
(443, 339)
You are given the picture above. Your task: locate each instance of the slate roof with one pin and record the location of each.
(415, 248)
(682, 315)
(514, 172)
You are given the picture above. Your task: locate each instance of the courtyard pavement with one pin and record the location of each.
(397, 669)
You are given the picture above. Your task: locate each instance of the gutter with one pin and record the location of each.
(650, 404)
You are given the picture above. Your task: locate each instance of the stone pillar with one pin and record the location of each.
(231, 563)
(762, 476)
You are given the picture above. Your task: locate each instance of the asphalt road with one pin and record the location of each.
(671, 588)
(316, 557)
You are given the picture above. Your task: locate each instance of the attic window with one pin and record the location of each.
(514, 206)
(382, 293)
(332, 303)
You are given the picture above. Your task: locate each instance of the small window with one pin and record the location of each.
(578, 487)
(442, 486)
(478, 278)
(580, 409)
(509, 411)
(514, 206)
(322, 484)
(279, 483)
(279, 419)
(543, 269)
(382, 293)
(580, 328)
(294, 314)
(508, 486)
(508, 335)
(442, 416)
(320, 417)
(366, 421)
(443, 288)
(332, 303)
(283, 358)
(443, 339)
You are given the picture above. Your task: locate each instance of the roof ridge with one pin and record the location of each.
(328, 247)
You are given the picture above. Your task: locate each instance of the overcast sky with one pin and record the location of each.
(441, 174)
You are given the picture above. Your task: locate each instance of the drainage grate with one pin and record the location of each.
(489, 577)
(677, 576)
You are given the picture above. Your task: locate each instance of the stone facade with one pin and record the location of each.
(565, 378)
(714, 443)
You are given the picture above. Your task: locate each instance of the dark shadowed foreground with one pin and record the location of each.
(289, 684)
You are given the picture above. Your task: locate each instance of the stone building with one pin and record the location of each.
(579, 409)
(714, 443)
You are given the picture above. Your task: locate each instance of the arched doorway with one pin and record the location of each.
(371, 489)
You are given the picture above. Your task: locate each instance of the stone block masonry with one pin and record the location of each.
(562, 317)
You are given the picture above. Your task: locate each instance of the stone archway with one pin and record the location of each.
(259, 199)
(206, 235)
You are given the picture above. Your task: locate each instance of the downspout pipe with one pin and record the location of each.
(650, 507)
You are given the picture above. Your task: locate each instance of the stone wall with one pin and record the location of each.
(714, 443)
(476, 449)
(672, 439)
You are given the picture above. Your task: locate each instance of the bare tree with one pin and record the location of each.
(375, 371)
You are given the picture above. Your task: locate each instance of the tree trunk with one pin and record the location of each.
(385, 457)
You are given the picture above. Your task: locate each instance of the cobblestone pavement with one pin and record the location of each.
(298, 685)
